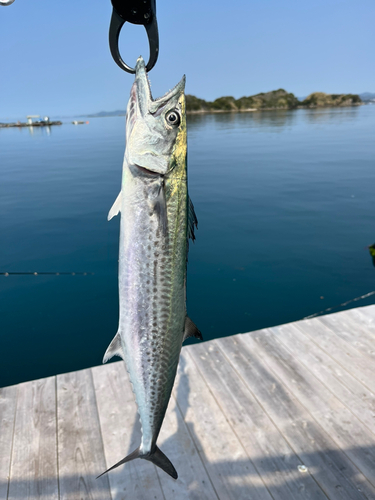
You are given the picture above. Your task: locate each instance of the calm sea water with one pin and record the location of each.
(285, 202)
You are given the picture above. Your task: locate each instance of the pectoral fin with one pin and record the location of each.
(114, 349)
(191, 330)
(192, 220)
(160, 208)
(116, 207)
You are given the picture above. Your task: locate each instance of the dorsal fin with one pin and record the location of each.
(191, 330)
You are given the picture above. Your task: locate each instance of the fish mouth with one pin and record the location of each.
(141, 91)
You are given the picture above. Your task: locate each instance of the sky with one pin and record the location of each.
(55, 58)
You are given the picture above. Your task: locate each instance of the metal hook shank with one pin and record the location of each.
(117, 23)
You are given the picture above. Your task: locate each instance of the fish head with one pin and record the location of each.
(155, 128)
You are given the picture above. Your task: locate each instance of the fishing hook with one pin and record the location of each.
(135, 12)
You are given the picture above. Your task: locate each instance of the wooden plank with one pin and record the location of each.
(270, 453)
(347, 388)
(335, 418)
(193, 481)
(231, 472)
(34, 459)
(339, 350)
(119, 422)
(8, 403)
(364, 315)
(329, 466)
(353, 332)
(80, 447)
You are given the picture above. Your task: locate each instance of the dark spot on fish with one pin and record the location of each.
(156, 254)
(147, 282)
(148, 247)
(156, 243)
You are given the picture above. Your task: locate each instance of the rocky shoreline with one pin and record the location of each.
(270, 101)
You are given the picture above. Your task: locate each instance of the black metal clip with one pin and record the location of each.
(135, 12)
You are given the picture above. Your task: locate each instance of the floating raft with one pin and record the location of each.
(284, 413)
(34, 124)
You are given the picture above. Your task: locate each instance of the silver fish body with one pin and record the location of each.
(157, 218)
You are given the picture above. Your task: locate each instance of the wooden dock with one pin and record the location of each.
(284, 413)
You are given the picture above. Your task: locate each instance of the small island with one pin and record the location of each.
(276, 99)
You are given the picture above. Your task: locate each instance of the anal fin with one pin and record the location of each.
(114, 349)
(191, 330)
(116, 207)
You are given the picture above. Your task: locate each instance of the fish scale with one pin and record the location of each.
(157, 217)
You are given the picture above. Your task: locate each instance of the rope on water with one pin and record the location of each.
(42, 273)
(341, 305)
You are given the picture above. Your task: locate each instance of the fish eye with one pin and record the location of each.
(173, 118)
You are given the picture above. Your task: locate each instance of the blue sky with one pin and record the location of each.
(55, 59)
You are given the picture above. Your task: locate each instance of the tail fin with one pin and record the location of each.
(158, 458)
(132, 456)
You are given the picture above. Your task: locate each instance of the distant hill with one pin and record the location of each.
(119, 112)
(367, 96)
(322, 100)
(277, 99)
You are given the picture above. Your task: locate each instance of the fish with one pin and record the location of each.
(157, 220)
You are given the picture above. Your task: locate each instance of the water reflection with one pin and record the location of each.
(39, 130)
(277, 119)
(326, 115)
(30, 130)
(274, 119)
